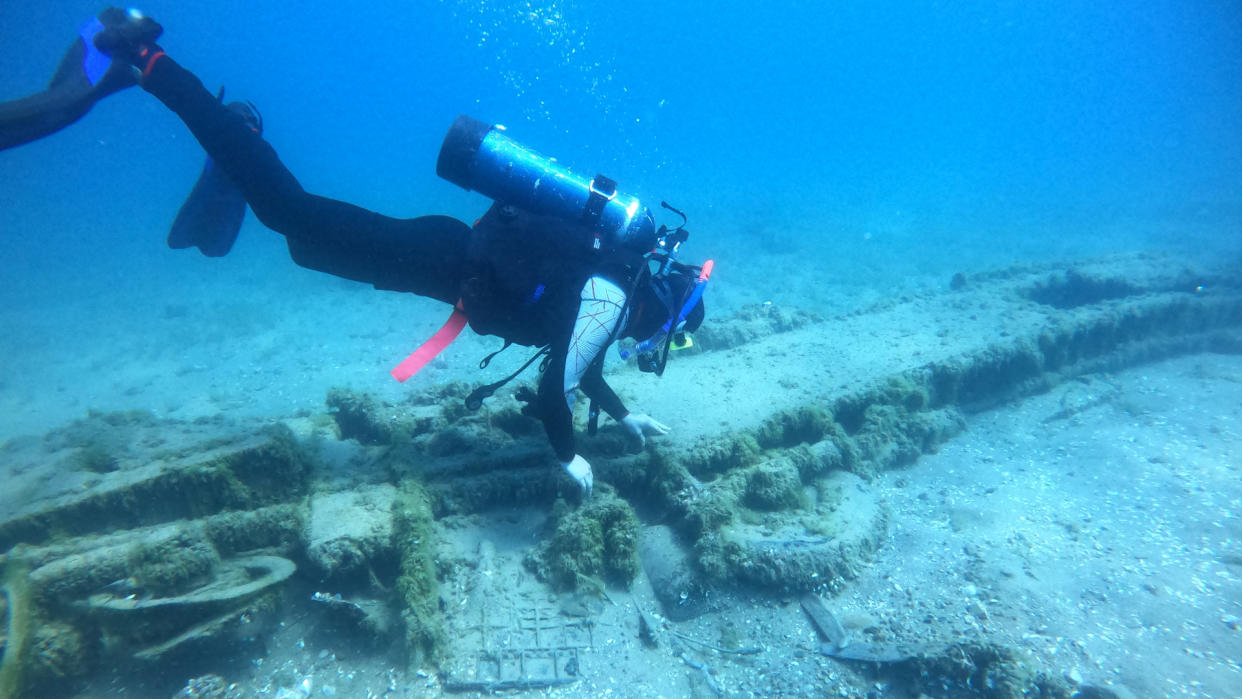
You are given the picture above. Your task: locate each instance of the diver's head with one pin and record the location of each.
(665, 308)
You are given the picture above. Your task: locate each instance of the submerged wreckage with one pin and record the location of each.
(129, 539)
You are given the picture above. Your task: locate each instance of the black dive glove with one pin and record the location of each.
(128, 35)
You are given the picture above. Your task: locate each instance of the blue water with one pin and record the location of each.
(1012, 126)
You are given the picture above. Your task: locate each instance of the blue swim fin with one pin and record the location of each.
(212, 215)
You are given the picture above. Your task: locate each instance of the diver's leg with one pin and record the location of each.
(426, 255)
(423, 255)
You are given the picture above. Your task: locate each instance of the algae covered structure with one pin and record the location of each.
(15, 586)
(417, 585)
(186, 542)
(598, 541)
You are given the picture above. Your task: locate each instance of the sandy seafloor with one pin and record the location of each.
(252, 334)
(1105, 543)
(1094, 527)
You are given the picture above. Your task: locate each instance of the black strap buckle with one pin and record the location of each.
(603, 190)
(488, 359)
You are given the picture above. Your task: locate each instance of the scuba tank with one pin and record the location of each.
(480, 157)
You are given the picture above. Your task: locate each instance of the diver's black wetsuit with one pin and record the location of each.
(430, 255)
(68, 97)
(424, 255)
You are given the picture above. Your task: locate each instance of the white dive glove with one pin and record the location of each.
(581, 472)
(640, 425)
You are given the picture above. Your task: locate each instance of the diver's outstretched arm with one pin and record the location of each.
(84, 77)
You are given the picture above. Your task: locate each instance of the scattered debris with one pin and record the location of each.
(751, 650)
(519, 685)
(646, 631)
(825, 623)
(682, 652)
(366, 617)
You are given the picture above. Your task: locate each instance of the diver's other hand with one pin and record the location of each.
(580, 470)
(127, 34)
(641, 424)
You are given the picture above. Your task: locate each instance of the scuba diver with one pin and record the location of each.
(558, 262)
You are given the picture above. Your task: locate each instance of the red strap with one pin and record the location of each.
(146, 72)
(707, 270)
(429, 349)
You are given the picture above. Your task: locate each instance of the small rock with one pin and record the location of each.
(978, 611)
(208, 687)
(349, 533)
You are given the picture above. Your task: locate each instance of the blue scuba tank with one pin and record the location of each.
(480, 157)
